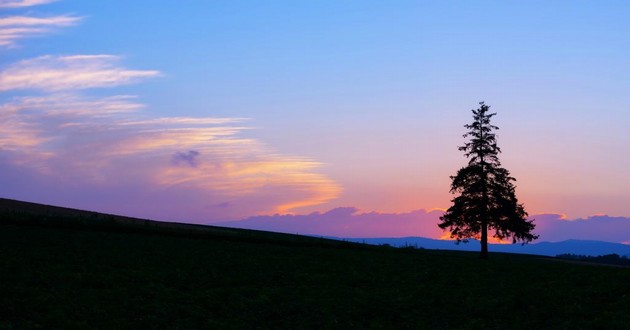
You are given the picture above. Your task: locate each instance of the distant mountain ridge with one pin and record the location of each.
(352, 222)
(20, 209)
(572, 246)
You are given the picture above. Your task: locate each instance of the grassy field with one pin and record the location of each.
(133, 275)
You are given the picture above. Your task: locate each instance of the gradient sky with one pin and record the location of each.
(208, 111)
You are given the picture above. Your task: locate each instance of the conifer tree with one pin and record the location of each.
(487, 199)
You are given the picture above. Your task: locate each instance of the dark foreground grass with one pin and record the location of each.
(54, 278)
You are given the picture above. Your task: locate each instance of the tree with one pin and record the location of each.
(487, 199)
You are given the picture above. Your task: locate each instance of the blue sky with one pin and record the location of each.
(368, 96)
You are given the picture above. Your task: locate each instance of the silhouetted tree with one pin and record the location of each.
(486, 200)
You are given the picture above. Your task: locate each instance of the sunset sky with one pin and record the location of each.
(208, 111)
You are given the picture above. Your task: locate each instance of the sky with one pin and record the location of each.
(211, 111)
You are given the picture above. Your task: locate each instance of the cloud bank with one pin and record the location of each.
(555, 227)
(59, 145)
(349, 222)
(107, 154)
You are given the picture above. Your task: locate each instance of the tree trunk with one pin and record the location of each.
(484, 216)
(484, 239)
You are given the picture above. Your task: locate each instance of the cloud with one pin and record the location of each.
(555, 227)
(74, 105)
(107, 154)
(22, 3)
(35, 21)
(349, 222)
(187, 158)
(56, 73)
(13, 28)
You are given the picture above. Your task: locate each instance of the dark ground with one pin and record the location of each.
(78, 275)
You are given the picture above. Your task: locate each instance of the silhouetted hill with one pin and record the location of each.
(62, 268)
(26, 213)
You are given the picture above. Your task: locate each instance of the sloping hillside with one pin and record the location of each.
(78, 275)
(26, 213)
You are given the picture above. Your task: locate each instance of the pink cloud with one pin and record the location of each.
(349, 222)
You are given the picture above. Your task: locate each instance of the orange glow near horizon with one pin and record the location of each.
(446, 236)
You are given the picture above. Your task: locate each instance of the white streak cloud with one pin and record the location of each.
(37, 21)
(14, 28)
(22, 3)
(55, 73)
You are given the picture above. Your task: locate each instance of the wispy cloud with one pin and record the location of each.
(110, 154)
(76, 106)
(193, 169)
(22, 3)
(14, 28)
(54, 73)
(64, 20)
